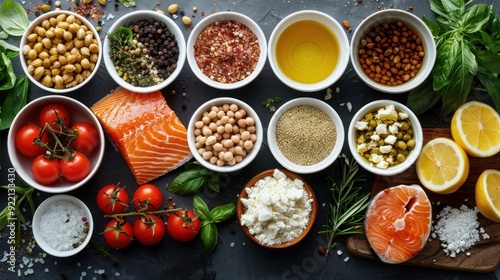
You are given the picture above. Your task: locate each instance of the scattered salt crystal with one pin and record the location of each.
(339, 252)
(243, 243)
(349, 106)
(46, 269)
(78, 264)
(84, 273)
(110, 16)
(337, 89)
(175, 16)
(346, 259)
(117, 273)
(232, 244)
(55, 262)
(328, 94)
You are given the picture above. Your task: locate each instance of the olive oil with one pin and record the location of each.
(307, 51)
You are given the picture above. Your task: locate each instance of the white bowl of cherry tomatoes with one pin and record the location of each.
(55, 144)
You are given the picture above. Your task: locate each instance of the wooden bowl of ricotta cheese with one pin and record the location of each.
(276, 209)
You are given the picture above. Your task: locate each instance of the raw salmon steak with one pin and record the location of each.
(146, 131)
(398, 223)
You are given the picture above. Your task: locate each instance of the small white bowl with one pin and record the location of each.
(197, 116)
(413, 23)
(29, 113)
(417, 136)
(226, 16)
(38, 22)
(134, 17)
(337, 148)
(42, 208)
(333, 26)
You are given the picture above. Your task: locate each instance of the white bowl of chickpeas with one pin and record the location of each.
(393, 51)
(225, 134)
(385, 137)
(60, 51)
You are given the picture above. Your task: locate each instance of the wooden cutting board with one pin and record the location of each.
(485, 254)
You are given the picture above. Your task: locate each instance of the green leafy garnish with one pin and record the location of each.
(193, 179)
(347, 209)
(13, 101)
(128, 3)
(12, 215)
(13, 18)
(269, 103)
(209, 219)
(467, 59)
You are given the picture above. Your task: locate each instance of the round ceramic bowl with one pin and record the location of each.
(38, 62)
(29, 114)
(52, 210)
(134, 17)
(294, 166)
(213, 21)
(372, 165)
(250, 154)
(241, 209)
(413, 23)
(296, 40)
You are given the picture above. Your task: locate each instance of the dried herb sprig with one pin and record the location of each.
(103, 250)
(346, 211)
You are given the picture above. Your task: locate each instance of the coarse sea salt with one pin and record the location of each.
(62, 226)
(457, 228)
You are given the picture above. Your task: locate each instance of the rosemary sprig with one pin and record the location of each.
(346, 211)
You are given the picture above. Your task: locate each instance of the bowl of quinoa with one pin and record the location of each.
(385, 137)
(305, 135)
(226, 50)
(276, 209)
(144, 51)
(62, 225)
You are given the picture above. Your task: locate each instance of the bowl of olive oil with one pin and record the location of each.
(308, 50)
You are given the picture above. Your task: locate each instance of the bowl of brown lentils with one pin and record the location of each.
(226, 50)
(61, 51)
(144, 51)
(385, 137)
(393, 51)
(225, 134)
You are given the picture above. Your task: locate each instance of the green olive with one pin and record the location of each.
(406, 137)
(411, 144)
(373, 123)
(401, 145)
(401, 157)
(405, 126)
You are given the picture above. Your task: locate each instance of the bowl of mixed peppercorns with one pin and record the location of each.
(226, 50)
(144, 51)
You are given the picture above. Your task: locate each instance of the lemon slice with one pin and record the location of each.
(488, 194)
(476, 127)
(442, 166)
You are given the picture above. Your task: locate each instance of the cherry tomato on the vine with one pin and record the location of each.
(25, 141)
(183, 225)
(148, 197)
(87, 137)
(51, 112)
(112, 199)
(77, 168)
(149, 230)
(118, 234)
(45, 171)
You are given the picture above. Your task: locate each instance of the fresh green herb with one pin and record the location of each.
(12, 214)
(193, 179)
(467, 59)
(209, 219)
(269, 103)
(346, 211)
(103, 250)
(14, 100)
(13, 18)
(128, 3)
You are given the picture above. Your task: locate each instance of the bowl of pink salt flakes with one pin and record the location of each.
(62, 225)
(227, 50)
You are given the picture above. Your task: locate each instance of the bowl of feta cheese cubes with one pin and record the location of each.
(385, 137)
(276, 209)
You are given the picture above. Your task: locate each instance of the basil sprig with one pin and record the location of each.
(209, 218)
(467, 60)
(193, 179)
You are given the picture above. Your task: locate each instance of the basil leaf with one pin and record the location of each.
(438, 8)
(192, 165)
(488, 60)
(433, 27)
(128, 3)
(453, 8)
(187, 183)
(423, 97)
(15, 100)
(214, 185)
(489, 42)
(446, 56)
(491, 83)
(9, 50)
(223, 212)
(7, 75)
(201, 209)
(13, 18)
(209, 238)
(476, 18)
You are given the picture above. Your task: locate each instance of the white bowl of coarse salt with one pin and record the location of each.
(276, 209)
(305, 135)
(62, 225)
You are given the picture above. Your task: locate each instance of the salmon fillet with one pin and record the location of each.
(398, 223)
(146, 131)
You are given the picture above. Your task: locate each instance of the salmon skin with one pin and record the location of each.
(146, 131)
(398, 223)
